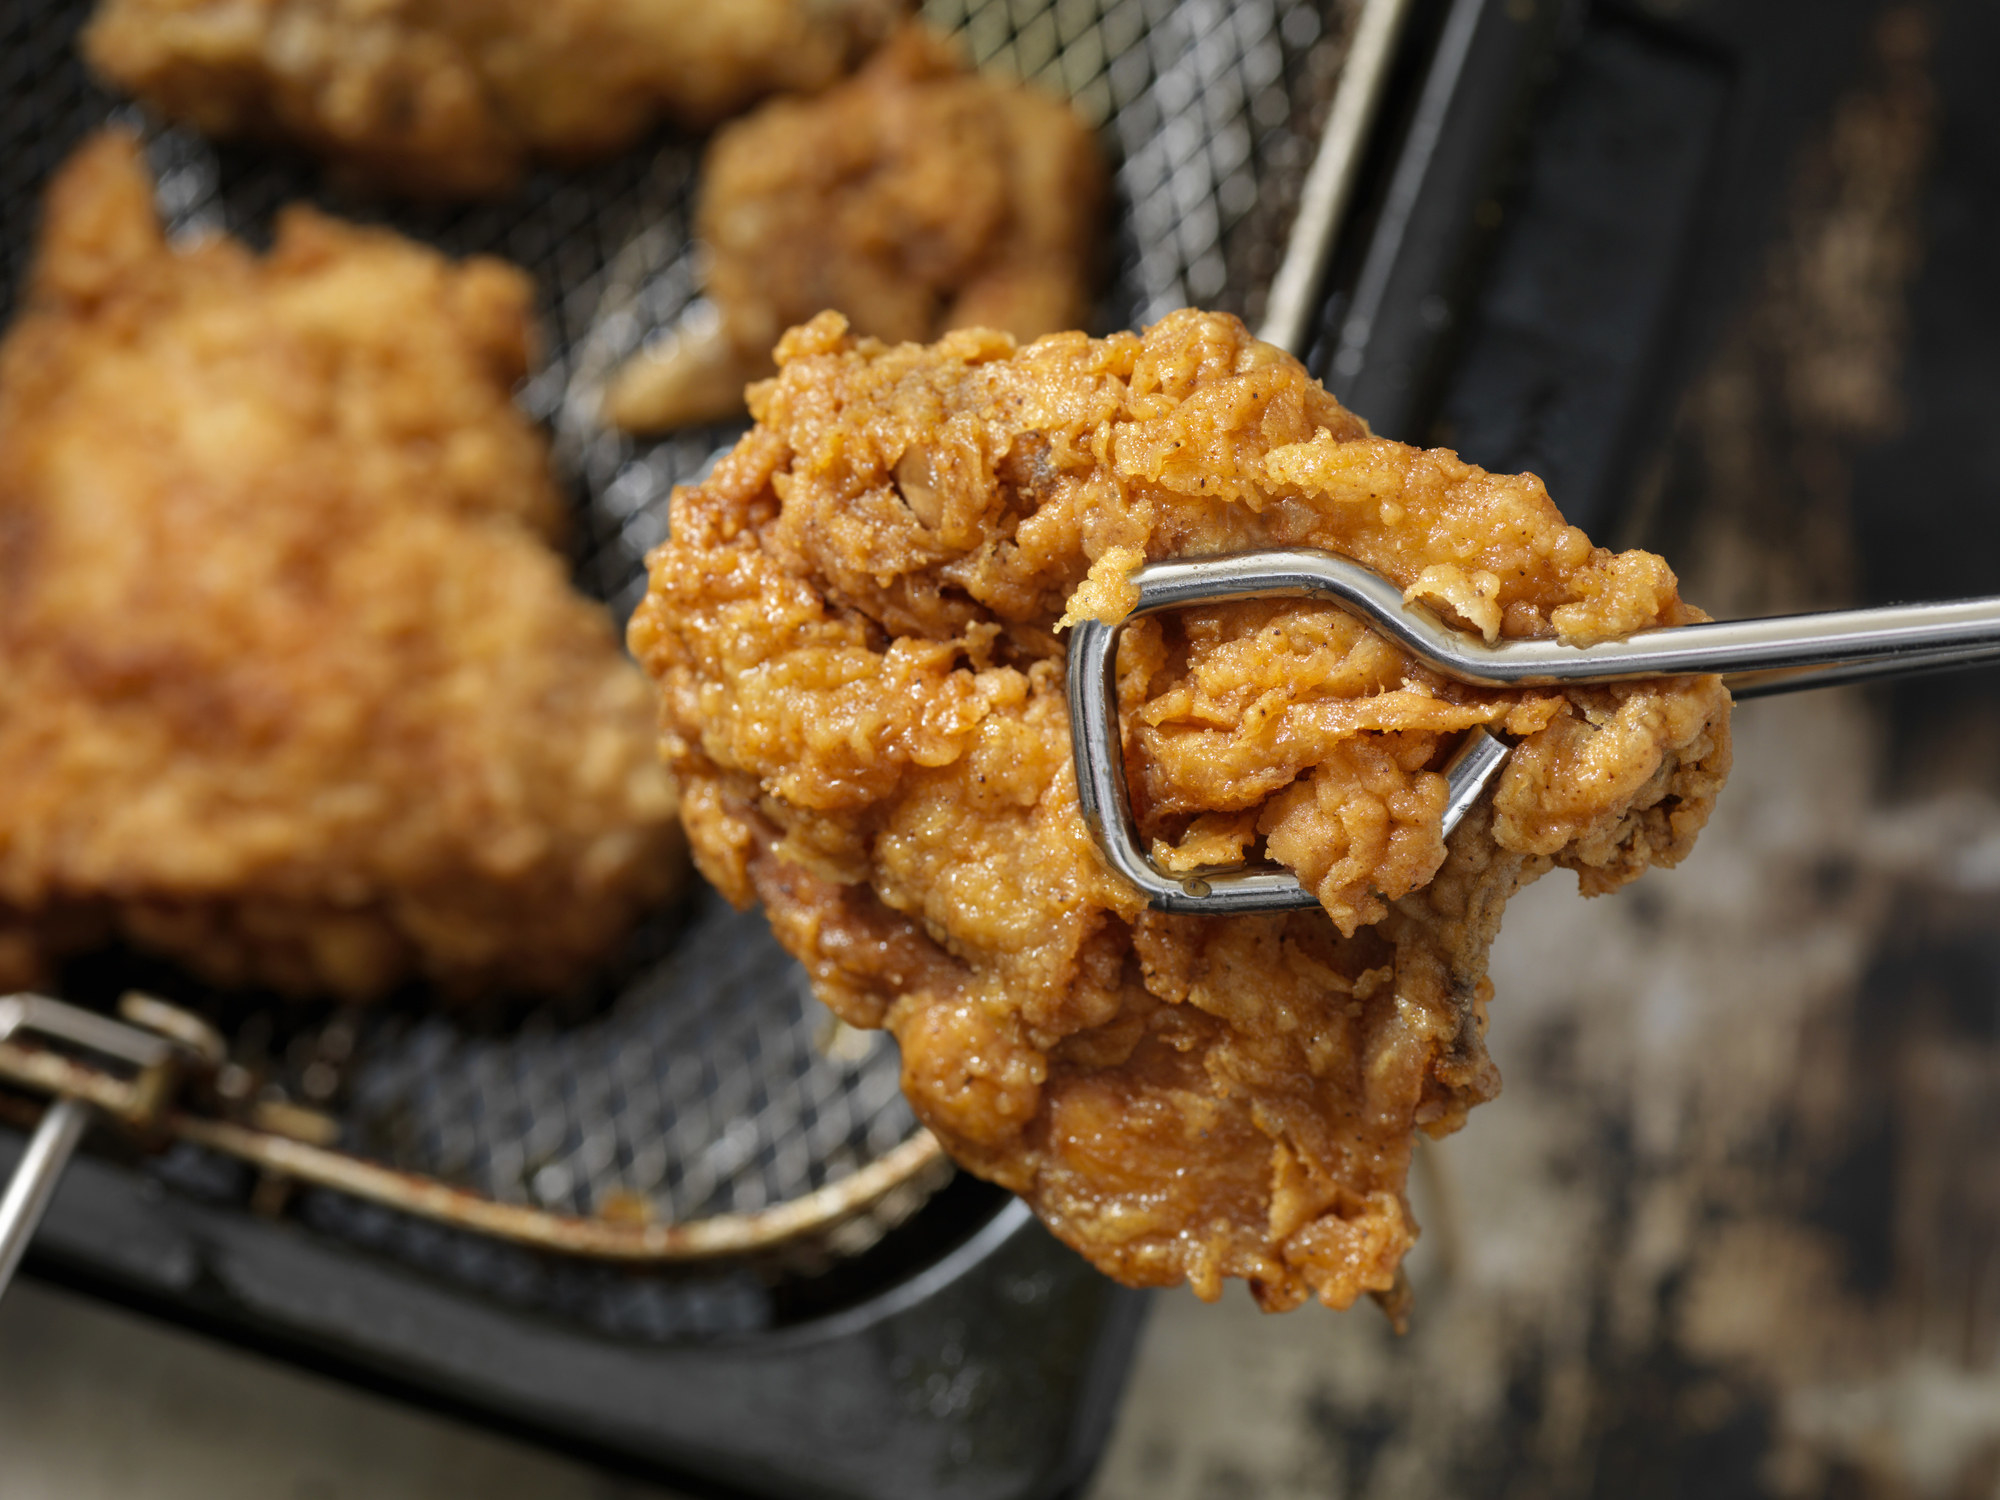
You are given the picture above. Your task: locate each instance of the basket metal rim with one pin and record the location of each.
(917, 1163)
(717, 1237)
(138, 1102)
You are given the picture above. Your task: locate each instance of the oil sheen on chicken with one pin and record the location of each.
(916, 197)
(854, 632)
(293, 687)
(455, 97)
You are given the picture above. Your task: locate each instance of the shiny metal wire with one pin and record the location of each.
(1782, 653)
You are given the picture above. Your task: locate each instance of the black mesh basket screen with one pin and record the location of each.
(701, 1077)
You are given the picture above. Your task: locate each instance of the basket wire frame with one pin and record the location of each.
(702, 1077)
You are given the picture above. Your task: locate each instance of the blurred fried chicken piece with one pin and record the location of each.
(916, 197)
(292, 686)
(852, 631)
(454, 97)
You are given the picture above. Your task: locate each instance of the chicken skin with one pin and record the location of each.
(854, 632)
(916, 197)
(453, 98)
(293, 688)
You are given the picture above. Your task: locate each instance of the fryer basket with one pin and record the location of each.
(696, 1076)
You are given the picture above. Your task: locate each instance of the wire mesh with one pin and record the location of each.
(706, 1079)
(1208, 109)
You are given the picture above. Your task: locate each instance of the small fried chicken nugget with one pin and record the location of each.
(914, 198)
(853, 626)
(293, 687)
(453, 98)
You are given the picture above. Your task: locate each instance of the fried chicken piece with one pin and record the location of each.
(453, 98)
(863, 693)
(916, 197)
(292, 686)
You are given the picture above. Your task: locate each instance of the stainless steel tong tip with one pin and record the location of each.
(1782, 653)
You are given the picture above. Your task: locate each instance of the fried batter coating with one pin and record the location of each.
(453, 98)
(863, 694)
(292, 686)
(916, 197)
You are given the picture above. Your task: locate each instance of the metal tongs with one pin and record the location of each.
(1779, 654)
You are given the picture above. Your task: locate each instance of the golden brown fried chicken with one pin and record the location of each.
(454, 97)
(292, 686)
(914, 198)
(863, 693)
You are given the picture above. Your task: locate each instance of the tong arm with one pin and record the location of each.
(1780, 654)
(1893, 638)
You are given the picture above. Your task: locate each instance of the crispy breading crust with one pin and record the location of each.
(455, 97)
(292, 686)
(915, 197)
(851, 628)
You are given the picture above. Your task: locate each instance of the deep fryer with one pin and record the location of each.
(947, 1348)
